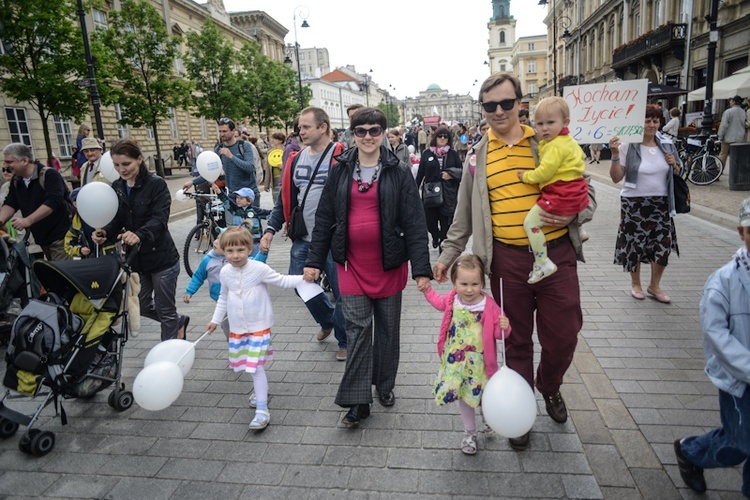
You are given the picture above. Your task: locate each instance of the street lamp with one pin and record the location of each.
(565, 23)
(91, 82)
(303, 13)
(368, 79)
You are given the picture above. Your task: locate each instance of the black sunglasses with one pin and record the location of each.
(373, 131)
(443, 136)
(491, 106)
(7, 170)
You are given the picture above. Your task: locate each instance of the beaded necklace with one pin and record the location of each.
(364, 186)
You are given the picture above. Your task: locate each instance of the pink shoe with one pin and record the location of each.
(660, 296)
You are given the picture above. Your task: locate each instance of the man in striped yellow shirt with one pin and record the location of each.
(492, 205)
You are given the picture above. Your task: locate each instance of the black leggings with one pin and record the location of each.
(437, 224)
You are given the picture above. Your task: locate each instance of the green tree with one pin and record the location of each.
(210, 65)
(269, 87)
(391, 113)
(43, 57)
(137, 53)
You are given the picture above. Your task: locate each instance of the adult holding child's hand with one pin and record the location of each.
(142, 217)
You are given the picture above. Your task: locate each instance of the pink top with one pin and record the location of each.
(363, 273)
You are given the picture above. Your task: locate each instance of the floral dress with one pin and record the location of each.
(462, 374)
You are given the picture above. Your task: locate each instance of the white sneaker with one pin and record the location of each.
(583, 234)
(538, 273)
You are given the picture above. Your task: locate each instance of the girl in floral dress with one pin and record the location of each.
(467, 344)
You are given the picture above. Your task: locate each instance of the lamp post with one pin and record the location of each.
(303, 13)
(565, 24)
(91, 82)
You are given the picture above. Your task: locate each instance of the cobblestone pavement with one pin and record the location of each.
(636, 384)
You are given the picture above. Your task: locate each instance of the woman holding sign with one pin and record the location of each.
(647, 231)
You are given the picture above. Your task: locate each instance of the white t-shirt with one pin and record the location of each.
(652, 173)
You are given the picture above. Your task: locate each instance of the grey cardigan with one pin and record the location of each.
(633, 163)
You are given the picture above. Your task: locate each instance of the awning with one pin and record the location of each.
(726, 88)
(656, 90)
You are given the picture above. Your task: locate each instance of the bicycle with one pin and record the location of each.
(701, 165)
(200, 239)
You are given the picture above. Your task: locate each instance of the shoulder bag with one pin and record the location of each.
(296, 227)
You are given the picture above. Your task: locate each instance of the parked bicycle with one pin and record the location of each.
(200, 239)
(700, 160)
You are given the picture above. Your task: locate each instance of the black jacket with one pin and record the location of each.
(403, 231)
(430, 171)
(146, 213)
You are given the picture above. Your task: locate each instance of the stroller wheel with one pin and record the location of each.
(42, 443)
(124, 401)
(25, 443)
(7, 427)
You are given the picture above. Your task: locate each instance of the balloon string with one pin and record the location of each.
(502, 306)
(187, 351)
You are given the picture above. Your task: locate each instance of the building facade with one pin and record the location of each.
(529, 63)
(502, 34)
(313, 62)
(435, 101)
(22, 124)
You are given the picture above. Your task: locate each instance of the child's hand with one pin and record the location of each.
(186, 298)
(85, 251)
(423, 284)
(215, 188)
(211, 327)
(520, 174)
(504, 323)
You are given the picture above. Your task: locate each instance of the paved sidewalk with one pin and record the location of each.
(636, 384)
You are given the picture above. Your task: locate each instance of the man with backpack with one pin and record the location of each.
(40, 194)
(236, 159)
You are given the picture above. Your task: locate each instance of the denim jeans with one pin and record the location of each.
(324, 313)
(729, 445)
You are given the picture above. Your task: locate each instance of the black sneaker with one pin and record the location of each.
(556, 408)
(691, 474)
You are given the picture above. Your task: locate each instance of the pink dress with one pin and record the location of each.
(363, 273)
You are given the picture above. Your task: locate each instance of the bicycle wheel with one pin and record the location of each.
(198, 243)
(705, 170)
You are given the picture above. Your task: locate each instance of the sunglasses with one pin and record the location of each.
(491, 106)
(7, 170)
(443, 136)
(226, 121)
(373, 131)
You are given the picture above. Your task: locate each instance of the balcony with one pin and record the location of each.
(651, 46)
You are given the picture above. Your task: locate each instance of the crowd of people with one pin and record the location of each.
(514, 186)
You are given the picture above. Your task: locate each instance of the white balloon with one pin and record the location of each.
(176, 351)
(107, 167)
(179, 195)
(158, 386)
(509, 404)
(97, 204)
(209, 165)
(411, 148)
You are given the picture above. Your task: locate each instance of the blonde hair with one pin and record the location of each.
(549, 105)
(469, 262)
(236, 237)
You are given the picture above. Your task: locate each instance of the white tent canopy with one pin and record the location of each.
(737, 84)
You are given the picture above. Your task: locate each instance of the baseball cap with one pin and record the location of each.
(745, 213)
(90, 143)
(74, 194)
(246, 193)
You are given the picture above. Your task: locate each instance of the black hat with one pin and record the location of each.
(737, 99)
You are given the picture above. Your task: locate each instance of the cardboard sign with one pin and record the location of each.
(601, 111)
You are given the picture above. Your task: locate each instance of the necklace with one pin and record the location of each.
(364, 186)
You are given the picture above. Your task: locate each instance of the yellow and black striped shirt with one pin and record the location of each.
(511, 199)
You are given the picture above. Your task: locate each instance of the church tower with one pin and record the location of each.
(502, 36)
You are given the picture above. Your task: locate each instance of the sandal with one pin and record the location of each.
(469, 444)
(260, 421)
(252, 400)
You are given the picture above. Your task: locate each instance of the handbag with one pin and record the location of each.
(432, 194)
(681, 195)
(295, 226)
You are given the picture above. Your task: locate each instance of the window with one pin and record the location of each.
(204, 132)
(502, 37)
(150, 133)
(122, 130)
(531, 46)
(64, 134)
(531, 68)
(18, 126)
(532, 88)
(100, 20)
(173, 124)
(179, 69)
(502, 67)
(2, 47)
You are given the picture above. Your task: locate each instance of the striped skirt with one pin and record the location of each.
(248, 351)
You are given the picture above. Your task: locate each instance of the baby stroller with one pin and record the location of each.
(15, 277)
(54, 351)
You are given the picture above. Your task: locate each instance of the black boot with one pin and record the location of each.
(355, 414)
